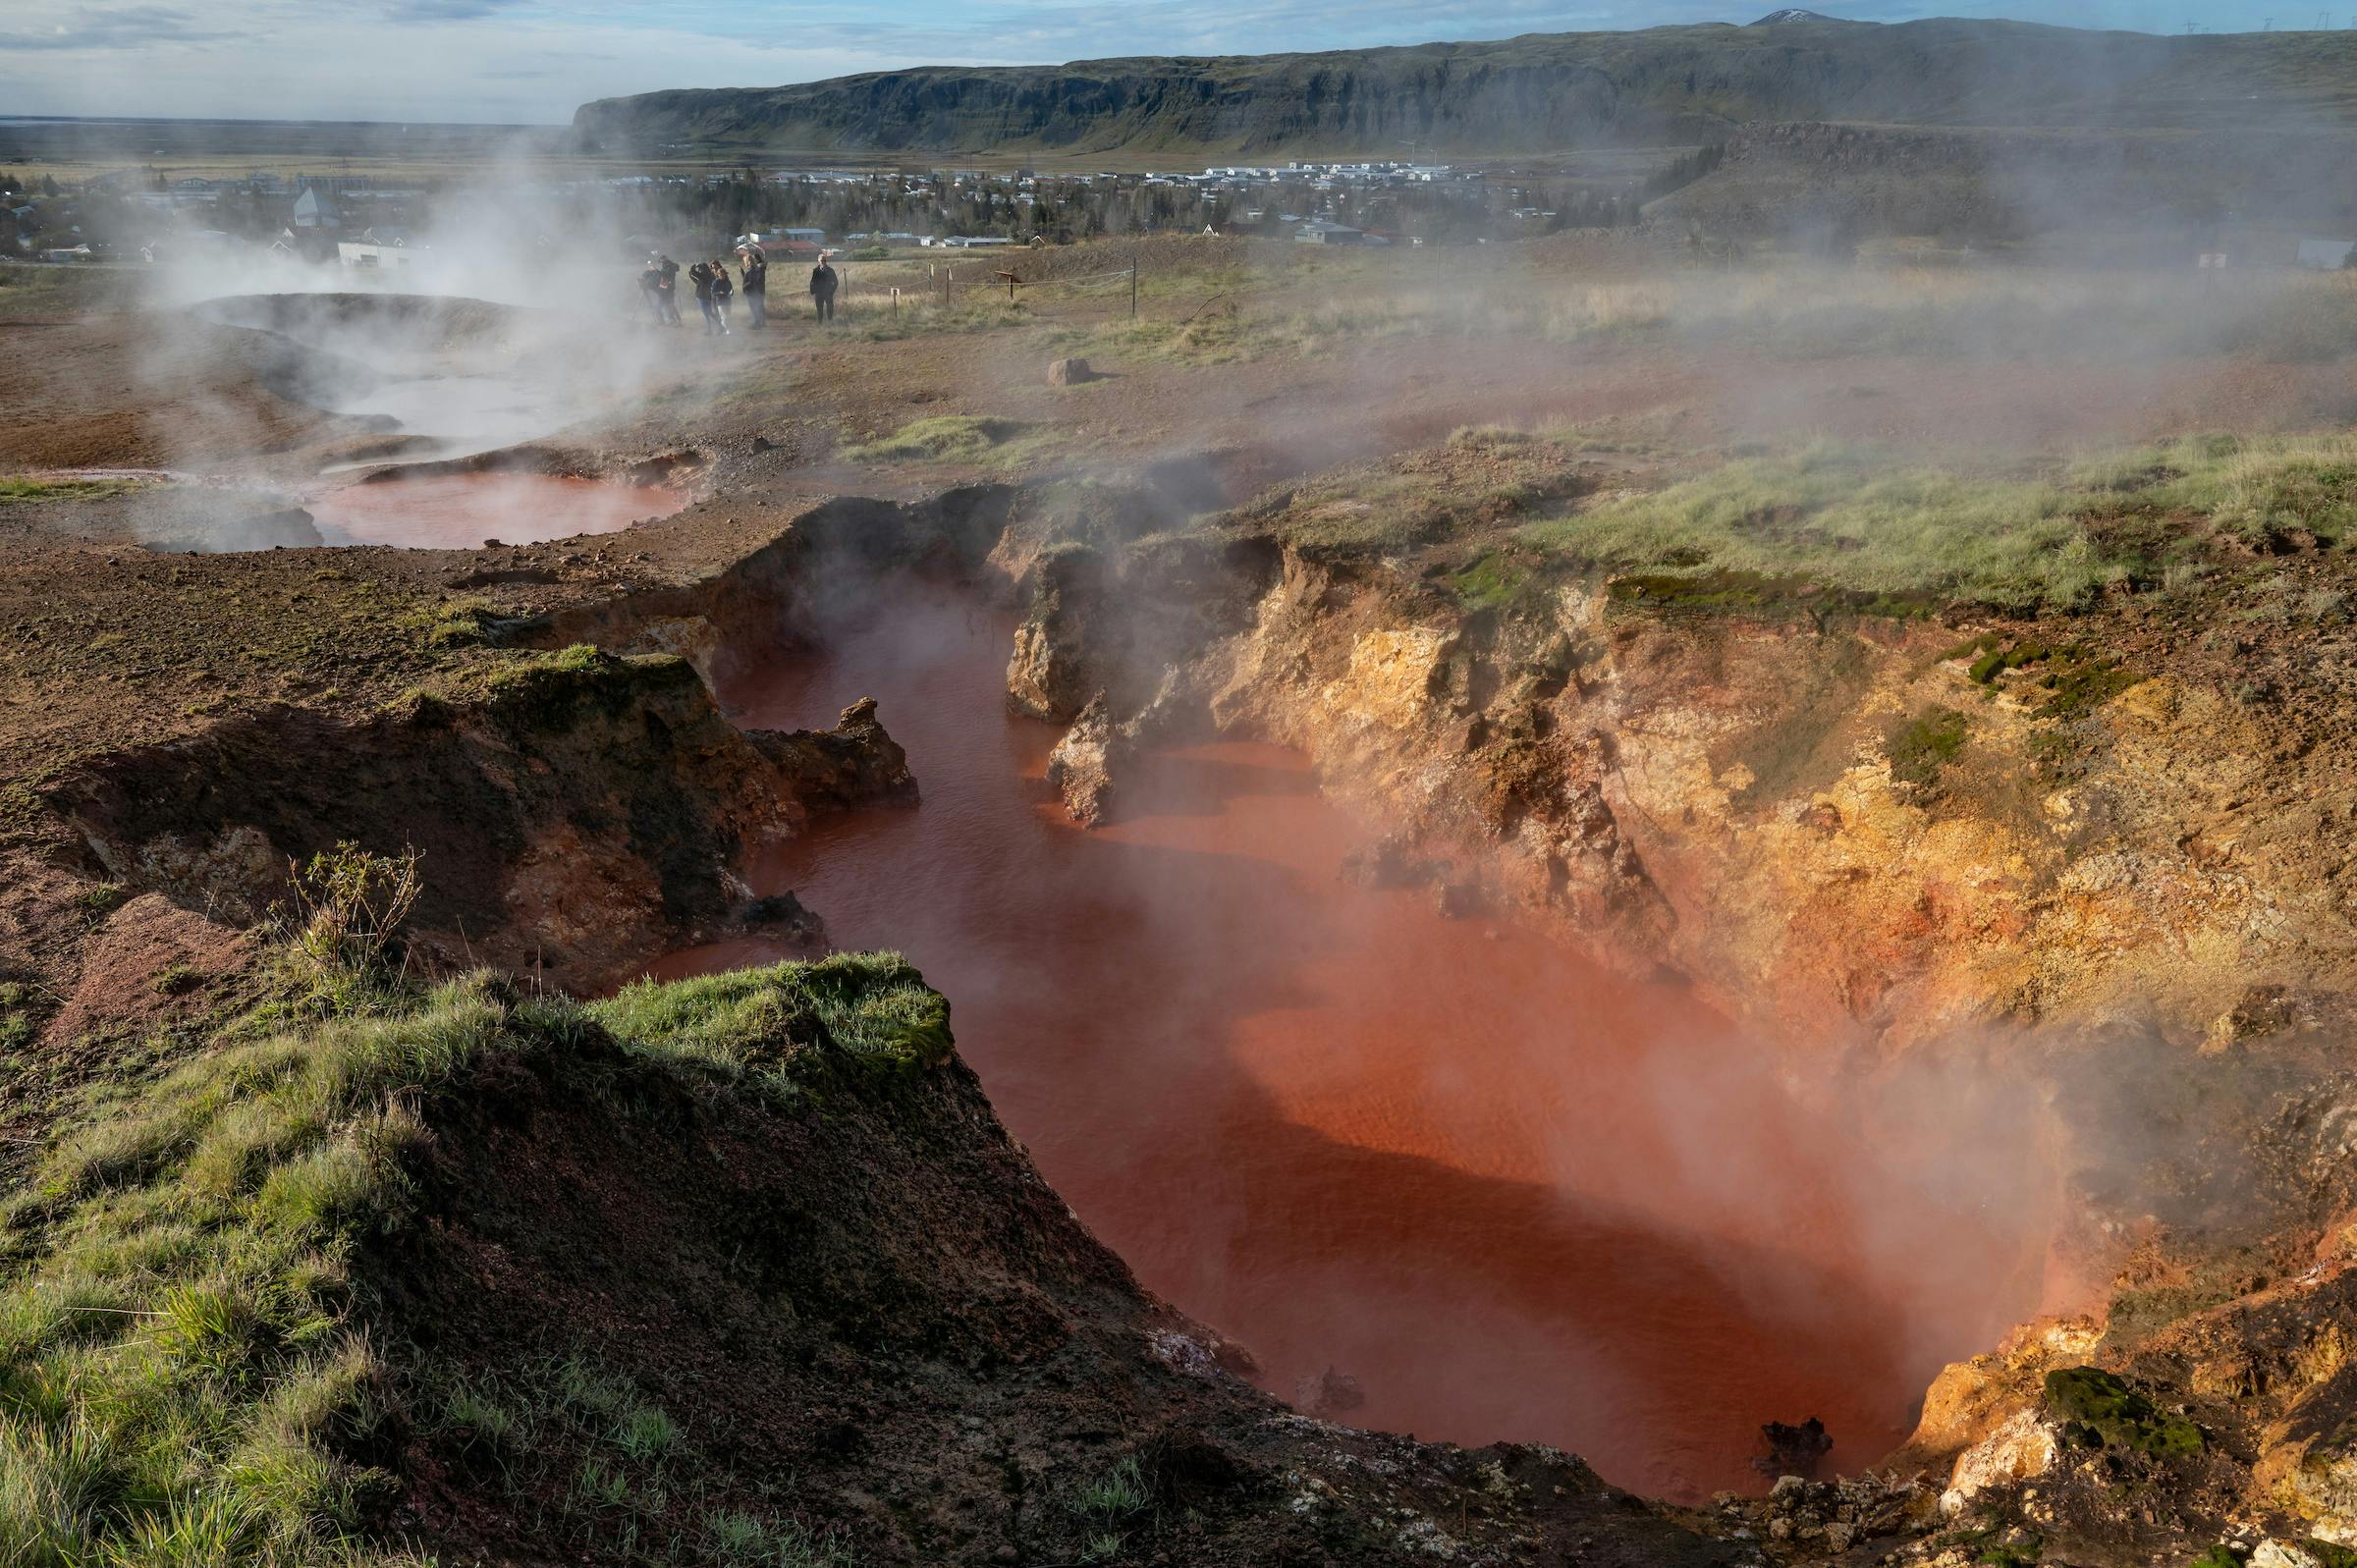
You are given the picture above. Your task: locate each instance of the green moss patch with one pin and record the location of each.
(1862, 522)
(1756, 593)
(28, 488)
(2104, 1411)
(948, 438)
(1925, 744)
(1490, 582)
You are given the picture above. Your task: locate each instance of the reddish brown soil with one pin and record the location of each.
(98, 393)
(152, 963)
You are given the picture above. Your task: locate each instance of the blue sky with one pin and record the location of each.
(533, 60)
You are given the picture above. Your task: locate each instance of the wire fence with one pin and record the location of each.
(987, 281)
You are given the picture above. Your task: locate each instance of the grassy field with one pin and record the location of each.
(17, 488)
(40, 293)
(1496, 513)
(1858, 520)
(1205, 300)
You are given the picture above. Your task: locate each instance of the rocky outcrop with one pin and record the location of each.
(853, 764)
(2022, 1449)
(1119, 618)
(1055, 658)
(1081, 767)
(831, 565)
(1839, 826)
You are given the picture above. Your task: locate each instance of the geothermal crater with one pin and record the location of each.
(432, 383)
(1441, 1176)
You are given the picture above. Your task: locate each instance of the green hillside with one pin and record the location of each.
(1542, 91)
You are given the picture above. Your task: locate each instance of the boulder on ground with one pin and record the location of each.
(853, 764)
(1070, 372)
(2021, 1450)
(1329, 1393)
(1792, 1450)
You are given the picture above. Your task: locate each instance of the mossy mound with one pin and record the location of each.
(2104, 1411)
(191, 1362)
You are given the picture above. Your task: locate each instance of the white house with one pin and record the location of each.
(313, 210)
(1320, 233)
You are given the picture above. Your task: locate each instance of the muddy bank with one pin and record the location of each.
(823, 1258)
(570, 814)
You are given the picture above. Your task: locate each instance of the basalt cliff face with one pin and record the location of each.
(1539, 92)
(1823, 184)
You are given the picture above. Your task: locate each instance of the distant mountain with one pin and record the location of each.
(1793, 13)
(1540, 92)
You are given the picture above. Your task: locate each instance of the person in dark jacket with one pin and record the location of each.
(666, 275)
(700, 275)
(756, 285)
(822, 287)
(723, 290)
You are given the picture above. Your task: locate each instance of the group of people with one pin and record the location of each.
(715, 291)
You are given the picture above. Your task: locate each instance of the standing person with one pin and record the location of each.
(822, 287)
(723, 290)
(667, 287)
(650, 289)
(702, 275)
(756, 286)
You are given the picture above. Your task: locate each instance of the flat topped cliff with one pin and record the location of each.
(1537, 92)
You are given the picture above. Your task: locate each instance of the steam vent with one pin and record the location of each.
(1575, 801)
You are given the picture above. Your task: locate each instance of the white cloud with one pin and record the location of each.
(509, 61)
(251, 62)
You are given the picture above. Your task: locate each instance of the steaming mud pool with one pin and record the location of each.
(1509, 1193)
(462, 511)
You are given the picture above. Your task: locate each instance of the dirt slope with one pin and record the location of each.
(867, 1288)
